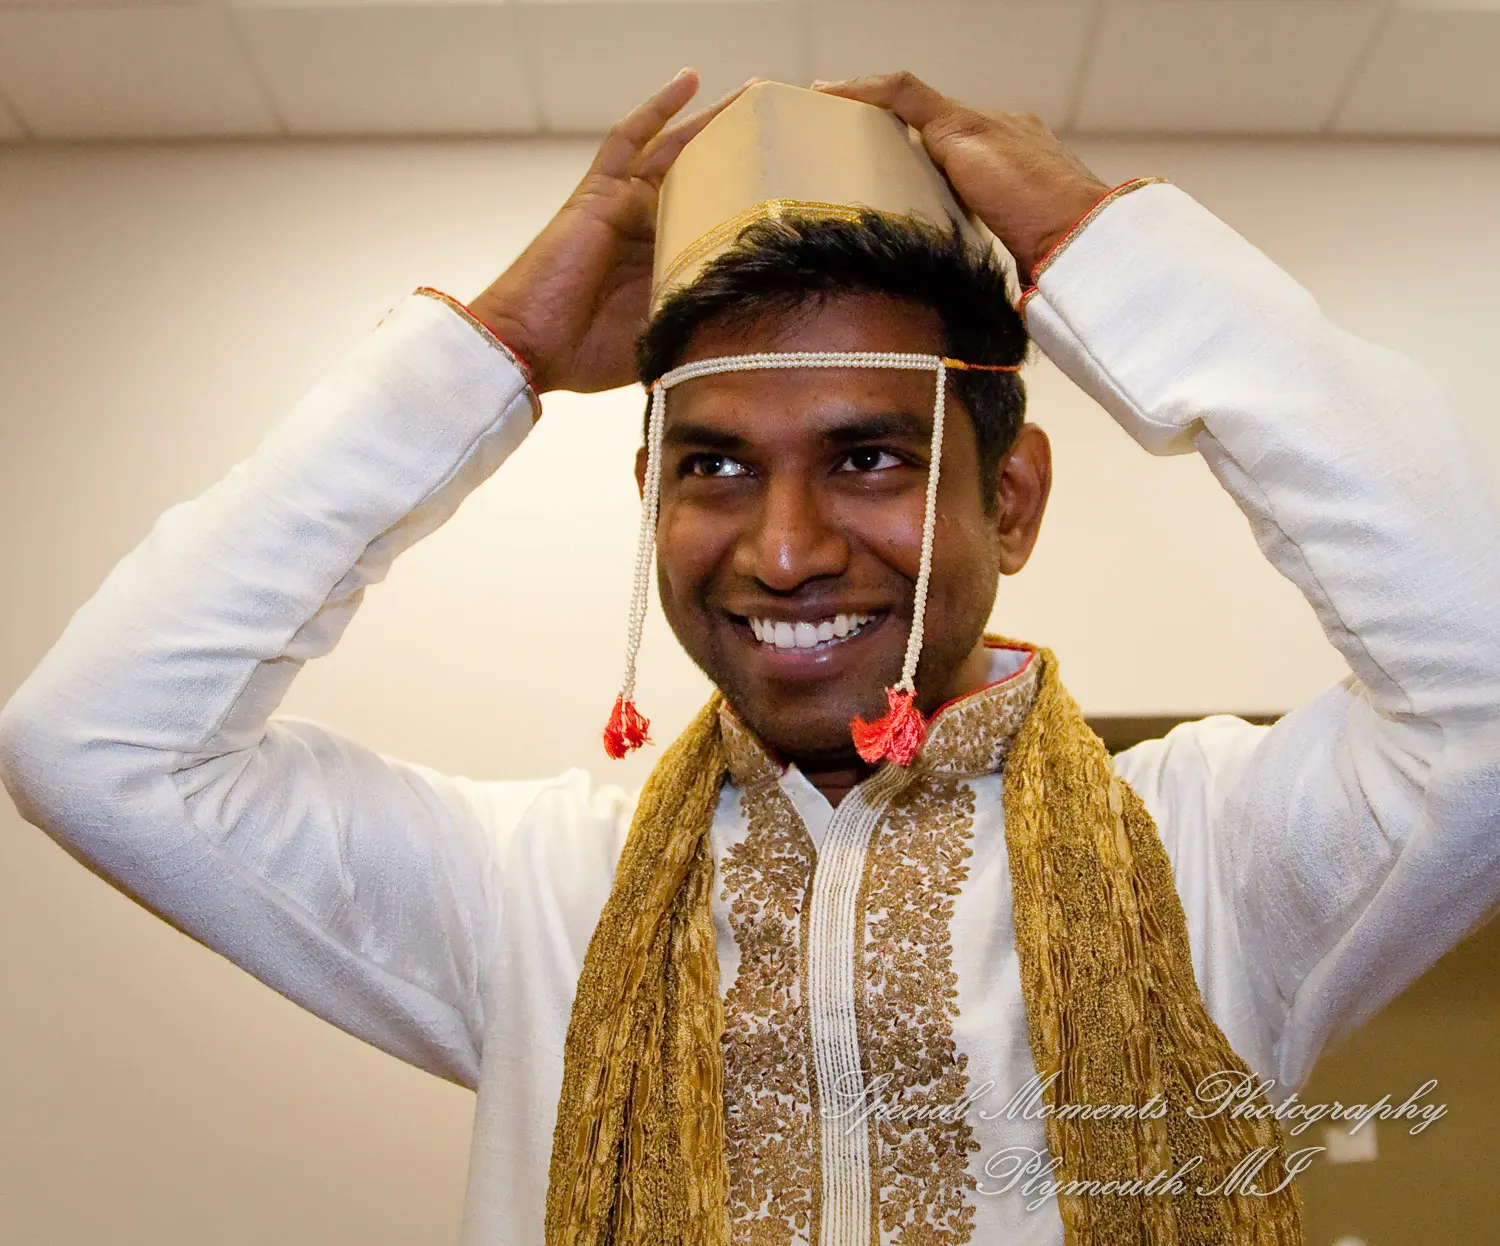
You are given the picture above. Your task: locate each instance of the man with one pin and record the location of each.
(797, 1004)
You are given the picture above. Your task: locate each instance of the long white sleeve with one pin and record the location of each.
(1354, 842)
(362, 888)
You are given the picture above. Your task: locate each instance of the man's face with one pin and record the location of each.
(791, 524)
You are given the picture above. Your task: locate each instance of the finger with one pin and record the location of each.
(667, 146)
(904, 94)
(618, 153)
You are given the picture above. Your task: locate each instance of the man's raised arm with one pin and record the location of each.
(358, 887)
(365, 889)
(1349, 846)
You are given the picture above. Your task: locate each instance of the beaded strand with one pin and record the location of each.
(908, 681)
(627, 728)
(645, 543)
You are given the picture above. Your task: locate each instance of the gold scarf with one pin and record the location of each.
(1112, 1006)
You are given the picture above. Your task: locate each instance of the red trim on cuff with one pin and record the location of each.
(1023, 301)
(490, 336)
(1077, 227)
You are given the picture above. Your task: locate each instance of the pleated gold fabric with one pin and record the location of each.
(1113, 1011)
(638, 1150)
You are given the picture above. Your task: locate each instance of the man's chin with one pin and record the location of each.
(806, 720)
(814, 733)
(818, 753)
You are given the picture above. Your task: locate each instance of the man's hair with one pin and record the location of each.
(778, 266)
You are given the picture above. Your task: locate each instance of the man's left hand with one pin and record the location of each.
(1009, 169)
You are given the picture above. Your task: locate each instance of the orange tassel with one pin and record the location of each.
(626, 729)
(898, 735)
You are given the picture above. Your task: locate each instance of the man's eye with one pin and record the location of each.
(870, 460)
(714, 466)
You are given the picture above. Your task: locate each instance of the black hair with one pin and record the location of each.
(779, 265)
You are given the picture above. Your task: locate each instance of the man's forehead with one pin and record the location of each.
(826, 405)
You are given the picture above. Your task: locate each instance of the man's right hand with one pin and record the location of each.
(575, 301)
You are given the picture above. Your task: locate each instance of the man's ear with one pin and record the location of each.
(1021, 487)
(640, 471)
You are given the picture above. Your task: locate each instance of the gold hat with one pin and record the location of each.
(782, 149)
(779, 150)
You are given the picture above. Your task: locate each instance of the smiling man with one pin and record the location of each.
(888, 949)
(789, 546)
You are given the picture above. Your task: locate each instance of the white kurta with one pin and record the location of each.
(1323, 863)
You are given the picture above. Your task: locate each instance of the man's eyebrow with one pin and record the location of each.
(894, 424)
(686, 433)
(901, 425)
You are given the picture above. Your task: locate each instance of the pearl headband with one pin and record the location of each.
(896, 736)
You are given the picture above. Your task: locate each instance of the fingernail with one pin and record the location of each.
(820, 82)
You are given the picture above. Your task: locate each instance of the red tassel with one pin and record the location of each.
(626, 729)
(898, 735)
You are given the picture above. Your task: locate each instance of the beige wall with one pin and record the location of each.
(160, 308)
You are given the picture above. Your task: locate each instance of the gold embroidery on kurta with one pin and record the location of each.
(770, 1118)
(905, 1003)
(972, 737)
(920, 1142)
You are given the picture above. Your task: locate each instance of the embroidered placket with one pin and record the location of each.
(847, 1202)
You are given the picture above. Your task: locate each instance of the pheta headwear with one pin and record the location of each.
(781, 150)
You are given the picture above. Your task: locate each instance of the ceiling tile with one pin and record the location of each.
(391, 69)
(1435, 70)
(1014, 55)
(1254, 66)
(593, 62)
(128, 73)
(10, 125)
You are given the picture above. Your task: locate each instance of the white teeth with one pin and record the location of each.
(783, 635)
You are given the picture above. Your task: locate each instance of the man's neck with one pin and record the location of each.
(837, 781)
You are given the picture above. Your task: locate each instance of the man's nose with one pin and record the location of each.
(791, 540)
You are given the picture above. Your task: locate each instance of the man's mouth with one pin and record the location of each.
(807, 635)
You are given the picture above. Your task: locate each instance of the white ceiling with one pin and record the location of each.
(105, 69)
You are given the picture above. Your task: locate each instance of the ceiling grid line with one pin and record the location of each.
(529, 79)
(1435, 73)
(804, 29)
(11, 115)
(261, 85)
(1085, 64)
(531, 61)
(1357, 70)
